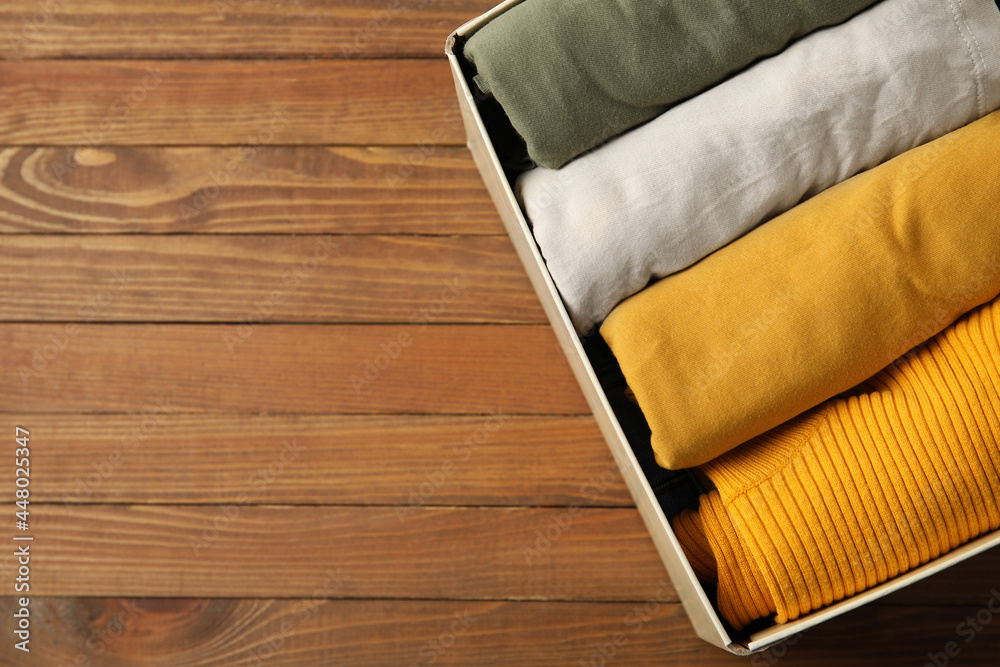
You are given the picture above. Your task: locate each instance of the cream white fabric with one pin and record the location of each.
(662, 196)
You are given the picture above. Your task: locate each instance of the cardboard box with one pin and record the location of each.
(699, 607)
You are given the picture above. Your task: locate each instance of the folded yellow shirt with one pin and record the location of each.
(816, 300)
(860, 489)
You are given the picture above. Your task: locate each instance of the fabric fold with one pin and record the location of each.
(837, 102)
(860, 489)
(571, 76)
(816, 300)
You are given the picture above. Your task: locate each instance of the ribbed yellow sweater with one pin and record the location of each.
(868, 485)
(816, 300)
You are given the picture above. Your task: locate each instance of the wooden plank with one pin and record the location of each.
(245, 102)
(243, 550)
(232, 28)
(203, 633)
(392, 460)
(394, 279)
(304, 633)
(454, 369)
(261, 190)
(961, 584)
(363, 460)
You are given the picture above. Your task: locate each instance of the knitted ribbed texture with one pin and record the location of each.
(697, 548)
(861, 488)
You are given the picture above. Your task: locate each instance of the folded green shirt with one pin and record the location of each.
(571, 74)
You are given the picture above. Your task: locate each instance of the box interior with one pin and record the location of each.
(500, 156)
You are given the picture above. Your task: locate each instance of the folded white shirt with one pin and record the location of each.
(844, 99)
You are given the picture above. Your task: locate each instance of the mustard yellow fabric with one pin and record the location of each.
(860, 489)
(816, 300)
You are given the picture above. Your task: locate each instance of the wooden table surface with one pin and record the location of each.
(291, 398)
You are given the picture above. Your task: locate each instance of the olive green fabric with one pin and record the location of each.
(571, 74)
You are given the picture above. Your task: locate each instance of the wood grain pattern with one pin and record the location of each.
(282, 473)
(246, 102)
(232, 28)
(398, 279)
(202, 633)
(292, 633)
(967, 583)
(242, 549)
(453, 369)
(391, 460)
(251, 190)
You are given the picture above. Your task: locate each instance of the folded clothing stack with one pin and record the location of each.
(866, 149)
(861, 488)
(570, 76)
(663, 196)
(816, 300)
